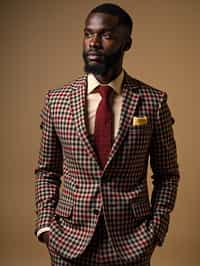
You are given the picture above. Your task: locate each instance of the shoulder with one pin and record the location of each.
(58, 94)
(146, 92)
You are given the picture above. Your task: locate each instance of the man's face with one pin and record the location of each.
(104, 43)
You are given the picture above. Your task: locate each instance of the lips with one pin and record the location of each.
(93, 56)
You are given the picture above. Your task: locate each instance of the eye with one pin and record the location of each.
(88, 34)
(107, 35)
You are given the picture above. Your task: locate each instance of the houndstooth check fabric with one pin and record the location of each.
(119, 191)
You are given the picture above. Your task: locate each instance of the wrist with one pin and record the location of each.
(44, 237)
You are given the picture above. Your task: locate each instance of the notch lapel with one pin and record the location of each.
(78, 106)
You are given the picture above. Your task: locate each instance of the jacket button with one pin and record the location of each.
(96, 211)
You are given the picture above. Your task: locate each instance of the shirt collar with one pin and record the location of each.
(116, 84)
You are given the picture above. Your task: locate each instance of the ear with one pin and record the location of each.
(128, 44)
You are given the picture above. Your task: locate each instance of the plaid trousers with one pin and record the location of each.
(99, 252)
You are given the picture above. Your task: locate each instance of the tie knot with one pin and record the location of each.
(105, 91)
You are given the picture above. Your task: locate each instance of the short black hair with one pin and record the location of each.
(115, 10)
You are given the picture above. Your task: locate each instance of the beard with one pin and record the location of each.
(106, 63)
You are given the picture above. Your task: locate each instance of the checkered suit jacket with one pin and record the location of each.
(133, 221)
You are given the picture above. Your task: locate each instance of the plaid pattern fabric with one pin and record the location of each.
(120, 189)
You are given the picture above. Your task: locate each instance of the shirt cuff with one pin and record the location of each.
(42, 230)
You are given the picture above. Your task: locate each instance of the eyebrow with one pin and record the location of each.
(111, 29)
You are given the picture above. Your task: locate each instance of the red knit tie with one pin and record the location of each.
(103, 133)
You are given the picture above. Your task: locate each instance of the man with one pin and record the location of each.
(98, 132)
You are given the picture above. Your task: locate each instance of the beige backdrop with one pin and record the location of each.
(40, 48)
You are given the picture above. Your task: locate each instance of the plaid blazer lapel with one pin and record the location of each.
(78, 106)
(130, 100)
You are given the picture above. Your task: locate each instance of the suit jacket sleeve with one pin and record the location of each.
(49, 170)
(164, 165)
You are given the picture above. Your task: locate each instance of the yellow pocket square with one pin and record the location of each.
(139, 121)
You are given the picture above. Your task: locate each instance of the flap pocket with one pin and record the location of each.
(141, 208)
(64, 208)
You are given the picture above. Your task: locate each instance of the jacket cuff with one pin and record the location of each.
(43, 222)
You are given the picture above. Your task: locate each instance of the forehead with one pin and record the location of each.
(99, 21)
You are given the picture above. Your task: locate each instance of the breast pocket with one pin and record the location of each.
(140, 136)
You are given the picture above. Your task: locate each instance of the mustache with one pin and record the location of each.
(94, 52)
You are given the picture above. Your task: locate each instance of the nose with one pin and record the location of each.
(95, 41)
